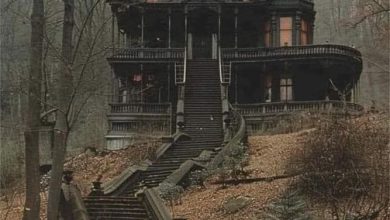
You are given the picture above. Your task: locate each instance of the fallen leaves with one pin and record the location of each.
(268, 157)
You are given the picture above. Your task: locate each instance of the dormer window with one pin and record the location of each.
(286, 31)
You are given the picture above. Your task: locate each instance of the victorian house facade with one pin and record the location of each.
(267, 62)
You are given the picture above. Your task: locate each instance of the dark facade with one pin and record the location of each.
(264, 48)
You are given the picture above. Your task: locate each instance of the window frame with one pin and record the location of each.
(286, 88)
(304, 32)
(286, 27)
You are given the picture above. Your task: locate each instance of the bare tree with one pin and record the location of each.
(32, 205)
(65, 81)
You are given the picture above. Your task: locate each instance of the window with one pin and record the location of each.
(286, 89)
(285, 31)
(267, 34)
(304, 32)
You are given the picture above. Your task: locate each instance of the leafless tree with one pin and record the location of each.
(65, 79)
(32, 204)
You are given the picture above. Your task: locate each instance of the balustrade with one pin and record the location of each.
(286, 107)
(301, 51)
(161, 126)
(156, 108)
(148, 53)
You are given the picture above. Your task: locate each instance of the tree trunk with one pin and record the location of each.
(32, 203)
(64, 89)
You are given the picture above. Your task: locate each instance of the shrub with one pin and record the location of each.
(233, 164)
(171, 193)
(198, 177)
(346, 160)
(291, 206)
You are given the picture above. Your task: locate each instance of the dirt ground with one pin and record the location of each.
(268, 157)
(87, 167)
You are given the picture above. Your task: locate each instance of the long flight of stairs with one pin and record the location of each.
(203, 123)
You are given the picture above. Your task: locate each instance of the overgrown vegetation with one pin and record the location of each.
(233, 164)
(171, 193)
(291, 206)
(198, 177)
(344, 163)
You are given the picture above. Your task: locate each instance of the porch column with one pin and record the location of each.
(185, 26)
(118, 38)
(297, 28)
(219, 26)
(169, 83)
(189, 49)
(235, 84)
(235, 27)
(169, 26)
(115, 87)
(311, 33)
(274, 26)
(113, 30)
(142, 26)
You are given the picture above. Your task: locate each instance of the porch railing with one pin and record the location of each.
(290, 51)
(156, 108)
(285, 107)
(148, 53)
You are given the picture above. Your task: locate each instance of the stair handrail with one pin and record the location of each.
(185, 66)
(224, 69)
(181, 94)
(181, 70)
(220, 65)
(156, 205)
(238, 136)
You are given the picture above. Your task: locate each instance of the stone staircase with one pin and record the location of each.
(203, 123)
(115, 208)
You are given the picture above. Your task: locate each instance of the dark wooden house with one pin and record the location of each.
(262, 51)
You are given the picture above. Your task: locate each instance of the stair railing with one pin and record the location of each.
(224, 94)
(181, 70)
(180, 80)
(224, 69)
(155, 205)
(234, 136)
(185, 66)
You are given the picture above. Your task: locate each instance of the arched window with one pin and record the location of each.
(285, 31)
